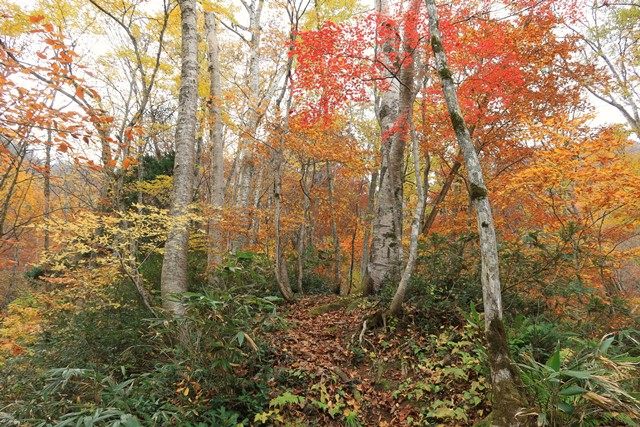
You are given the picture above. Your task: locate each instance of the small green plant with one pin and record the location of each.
(276, 405)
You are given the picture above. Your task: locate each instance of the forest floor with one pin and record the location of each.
(328, 372)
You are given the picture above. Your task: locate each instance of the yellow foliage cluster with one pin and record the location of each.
(19, 326)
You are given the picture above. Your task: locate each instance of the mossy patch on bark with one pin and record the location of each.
(477, 192)
(436, 45)
(509, 399)
(458, 124)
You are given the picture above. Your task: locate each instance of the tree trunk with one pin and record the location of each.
(216, 183)
(337, 261)
(386, 244)
(302, 234)
(247, 166)
(47, 190)
(416, 226)
(257, 193)
(174, 265)
(407, 97)
(446, 186)
(508, 399)
(282, 277)
(352, 252)
(364, 262)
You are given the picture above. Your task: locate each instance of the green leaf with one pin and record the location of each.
(240, 337)
(565, 407)
(554, 361)
(285, 399)
(582, 375)
(572, 391)
(443, 412)
(262, 417)
(605, 344)
(128, 420)
(455, 372)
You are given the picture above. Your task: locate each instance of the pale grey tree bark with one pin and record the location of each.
(408, 93)
(341, 289)
(364, 262)
(508, 399)
(302, 234)
(255, 204)
(422, 187)
(279, 160)
(47, 190)
(216, 185)
(174, 265)
(282, 276)
(416, 225)
(246, 166)
(386, 243)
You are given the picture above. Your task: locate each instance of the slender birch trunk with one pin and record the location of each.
(302, 234)
(337, 259)
(282, 277)
(246, 167)
(352, 253)
(300, 248)
(216, 184)
(416, 226)
(311, 223)
(364, 261)
(47, 190)
(257, 192)
(174, 265)
(508, 399)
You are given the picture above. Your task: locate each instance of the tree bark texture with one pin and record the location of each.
(216, 185)
(507, 395)
(386, 242)
(174, 265)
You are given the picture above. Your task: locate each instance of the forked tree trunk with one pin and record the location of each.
(174, 265)
(422, 182)
(508, 399)
(216, 184)
(282, 276)
(407, 97)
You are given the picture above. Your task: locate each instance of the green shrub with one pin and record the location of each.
(537, 336)
(248, 270)
(587, 385)
(106, 362)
